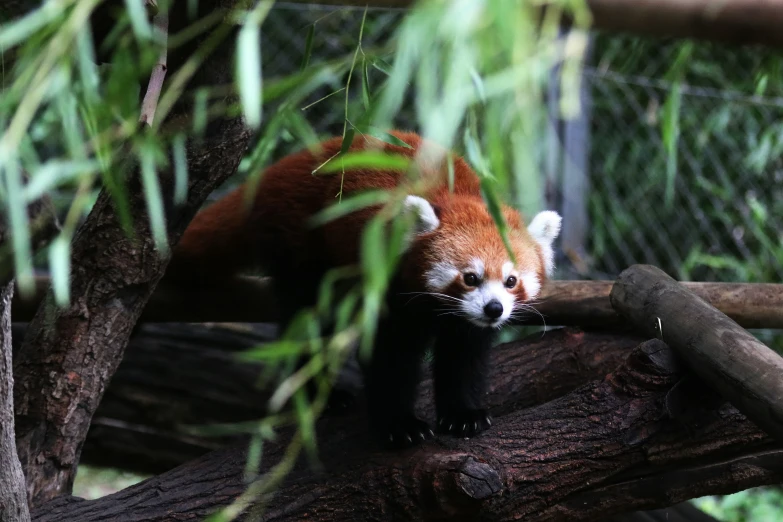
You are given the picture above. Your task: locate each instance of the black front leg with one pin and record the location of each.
(461, 373)
(391, 380)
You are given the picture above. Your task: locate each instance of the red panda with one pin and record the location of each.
(455, 285)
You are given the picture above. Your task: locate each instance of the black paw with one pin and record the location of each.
(403, 432)
(464, 423)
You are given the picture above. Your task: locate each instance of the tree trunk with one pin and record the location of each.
(723, 354)
(13, 499)
(608, 447)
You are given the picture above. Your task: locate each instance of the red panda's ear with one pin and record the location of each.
(427, 218)
(545, 228)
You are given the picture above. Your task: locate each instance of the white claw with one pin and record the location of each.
(464, 426)
(489, 421)
(391, 438)
(450, 425)
(408, 437)
(431, 433)
(475, 426)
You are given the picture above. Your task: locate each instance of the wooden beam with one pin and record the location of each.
(725, 356)
(739, 22)
(563, 303)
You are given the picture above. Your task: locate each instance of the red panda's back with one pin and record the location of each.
(229, 236)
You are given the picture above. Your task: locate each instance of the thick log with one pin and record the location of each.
(175, 375)
(562, 303)
(605, 448)
(722, 353)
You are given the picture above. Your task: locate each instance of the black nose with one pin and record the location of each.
(493, 309)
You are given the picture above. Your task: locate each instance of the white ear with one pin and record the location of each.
(545, 228)
(426, 219)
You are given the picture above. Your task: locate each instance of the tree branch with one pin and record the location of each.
(606, 443)
(743, 369)
(70, 354)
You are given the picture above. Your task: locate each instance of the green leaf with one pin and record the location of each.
(349, 205)
(368, 159)
(152, 195)
(382, 135)
(347, 140)
(19, 225)
(180, 169)
(60, 268)
(381, 65)
(200, 110)
(670, 129)
(365, 84)
(249, 77)
(495, 210)
(138, 17)
(55, 173)
(308, 47)
(20, 29)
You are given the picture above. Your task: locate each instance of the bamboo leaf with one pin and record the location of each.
(152, 195)
(308, 47)
(60, 269)
(495, 210)
(249, 77)
(180, 169)
(368, 159)
(348, 206)
(138, 17)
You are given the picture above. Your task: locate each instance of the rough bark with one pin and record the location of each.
(563, 303)
(607, 447)
(13, 499)
(726, 356)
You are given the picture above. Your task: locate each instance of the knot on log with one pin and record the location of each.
(651, 366)
(457, 484)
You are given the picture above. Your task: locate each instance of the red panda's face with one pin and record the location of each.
(466, 265)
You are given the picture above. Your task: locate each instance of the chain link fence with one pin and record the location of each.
(712, 212)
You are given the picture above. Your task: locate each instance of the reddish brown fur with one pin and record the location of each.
(222, 239)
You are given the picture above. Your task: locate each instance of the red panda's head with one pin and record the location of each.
(459, 257)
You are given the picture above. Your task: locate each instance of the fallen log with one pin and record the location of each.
(605, 448)
(727, 357)
(562, 303)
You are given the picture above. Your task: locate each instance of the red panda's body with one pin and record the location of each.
(456, 263)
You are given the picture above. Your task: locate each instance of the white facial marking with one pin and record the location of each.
(440, 276)
(531, 284)
(477, 267)
(508, 266)
(545, 228)
(474, 302)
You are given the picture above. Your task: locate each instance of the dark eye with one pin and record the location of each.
(471, 279)
(511, 282)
